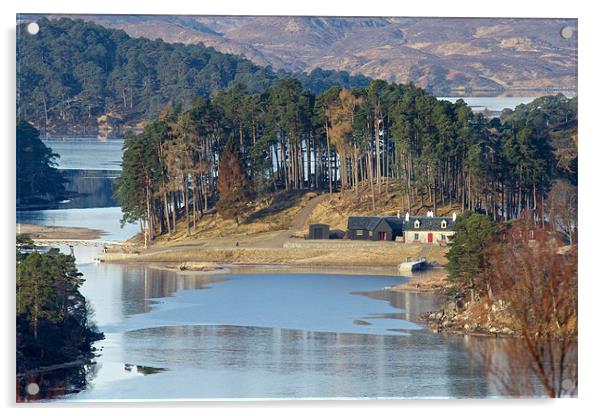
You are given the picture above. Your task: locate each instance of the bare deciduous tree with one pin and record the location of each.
(536, 276)
(562, 203)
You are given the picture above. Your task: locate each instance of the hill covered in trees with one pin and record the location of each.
(288, 138)
(74, 76)
(38, 179)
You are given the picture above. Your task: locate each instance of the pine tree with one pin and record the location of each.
(53, 318)
(232, 184)
(469, 254)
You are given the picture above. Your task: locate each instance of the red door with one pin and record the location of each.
(430, 237)
(382, 235)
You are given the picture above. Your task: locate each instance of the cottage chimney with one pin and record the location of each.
(429, 214)
(454, 217)
(407, 217)
(398, 214)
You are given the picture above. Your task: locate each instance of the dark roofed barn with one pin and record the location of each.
(319, 231)
(374, 228)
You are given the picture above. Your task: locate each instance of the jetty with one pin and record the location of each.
(412, 265)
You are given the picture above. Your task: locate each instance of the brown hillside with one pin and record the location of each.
(337, 208)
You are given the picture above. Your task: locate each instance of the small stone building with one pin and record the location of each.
(319, 231)
(374, 228)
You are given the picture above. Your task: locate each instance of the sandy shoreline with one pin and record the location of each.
(56, 234)
(207, 268)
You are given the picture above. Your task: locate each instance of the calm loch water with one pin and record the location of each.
(87, 153)
(278, 336)
(172, 336)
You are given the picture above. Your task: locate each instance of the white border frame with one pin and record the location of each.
(590, 148)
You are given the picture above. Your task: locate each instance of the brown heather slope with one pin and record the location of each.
(335, 209)
(444, 53)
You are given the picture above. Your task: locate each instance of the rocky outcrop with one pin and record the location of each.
(475, 318)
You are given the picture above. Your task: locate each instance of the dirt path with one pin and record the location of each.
(297, 224)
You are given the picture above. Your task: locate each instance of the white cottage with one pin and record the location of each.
(428, 229)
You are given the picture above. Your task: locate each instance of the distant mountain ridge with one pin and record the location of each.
(439, 54)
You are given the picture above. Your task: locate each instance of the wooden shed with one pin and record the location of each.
(319, 231)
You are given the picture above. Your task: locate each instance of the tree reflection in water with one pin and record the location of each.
(55, 383)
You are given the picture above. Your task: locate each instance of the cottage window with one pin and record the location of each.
(416, 236)
(442, 237)
(370, 233)
(443, 224)
(359, 232)
(416, 224)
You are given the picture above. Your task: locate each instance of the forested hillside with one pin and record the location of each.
(287, 138)
(74, 75)
(556, 119)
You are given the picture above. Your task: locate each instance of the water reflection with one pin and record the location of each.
(54, 384)
(265, 336)
(412, 304)
(243, 360)
(304, 302)
(251, 362)
(166, 339)
(118, 291)
(92, 188)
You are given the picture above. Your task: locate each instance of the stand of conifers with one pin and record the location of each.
(289, 139)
